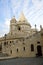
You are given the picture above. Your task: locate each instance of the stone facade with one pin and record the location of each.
(41, 33)
(22, 40)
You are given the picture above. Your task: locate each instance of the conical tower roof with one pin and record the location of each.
(22, 17)
(13, 20)
(23, 20)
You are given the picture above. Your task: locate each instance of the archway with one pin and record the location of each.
(39, 50)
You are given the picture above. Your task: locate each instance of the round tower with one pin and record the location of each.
(13, 25)
(23, 24)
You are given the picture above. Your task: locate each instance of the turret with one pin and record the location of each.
(23, 24)
(12, 25)
(40, 27)
(23, 20)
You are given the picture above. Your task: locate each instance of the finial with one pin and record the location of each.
(40, 26)
(13, 17)
(22, 17)
(35, 25)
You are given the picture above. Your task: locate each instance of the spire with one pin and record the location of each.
(13, 20)
(23, 20)
(35, 27)
(41, 27)
(22, 17)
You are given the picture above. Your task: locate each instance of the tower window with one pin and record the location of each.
(32, 47)
(4, 43)
(19, 28)
(17, 49)
(11, 51)
(24, 48)
(10, 41)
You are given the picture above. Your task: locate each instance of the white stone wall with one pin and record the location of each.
(18, 42)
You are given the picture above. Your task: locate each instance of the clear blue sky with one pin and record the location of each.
(32, 9)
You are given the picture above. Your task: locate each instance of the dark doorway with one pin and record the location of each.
(39, 50)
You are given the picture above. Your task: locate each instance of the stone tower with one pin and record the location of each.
(13, 25)
(23, 23)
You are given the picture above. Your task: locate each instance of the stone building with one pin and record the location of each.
(22, 40)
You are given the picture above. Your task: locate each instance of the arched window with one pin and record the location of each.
(32, 47)
(17, 49)
(11, 51)
(24, 48)
(19, 28)
(4, 43)
(10, 41)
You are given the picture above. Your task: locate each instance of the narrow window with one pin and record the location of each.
(38, 42)
(24, 48)
(4, 43)
(19, 28)
(11, 51)
(32, 47)
(10, 41)
(17, 49)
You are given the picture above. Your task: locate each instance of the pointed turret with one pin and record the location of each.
(12, 25)
(22, 17)
(23, 20)
(13, 20)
